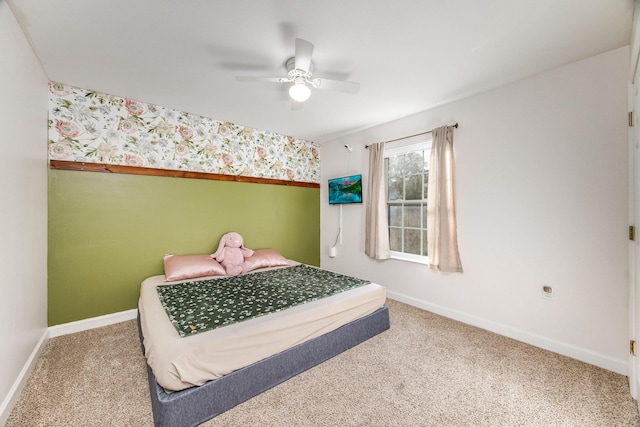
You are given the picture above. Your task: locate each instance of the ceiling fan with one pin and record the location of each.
(300, 73)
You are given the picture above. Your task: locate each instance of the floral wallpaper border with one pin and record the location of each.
(92, 127)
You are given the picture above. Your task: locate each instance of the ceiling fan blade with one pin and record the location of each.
(339, 85)
(304, 50)
(262, 79)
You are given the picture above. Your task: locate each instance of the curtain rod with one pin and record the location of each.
(411, 136)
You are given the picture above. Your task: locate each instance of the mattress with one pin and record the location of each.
(179, 363)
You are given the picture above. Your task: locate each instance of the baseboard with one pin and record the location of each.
(578, 353)
(94, 322)
(15, 390)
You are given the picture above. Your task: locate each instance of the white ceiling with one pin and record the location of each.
(407, 55)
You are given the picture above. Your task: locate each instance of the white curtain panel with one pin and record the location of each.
(376, 241)
(442, 228)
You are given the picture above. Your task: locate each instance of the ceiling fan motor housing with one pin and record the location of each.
(294, 72)
(300, 73)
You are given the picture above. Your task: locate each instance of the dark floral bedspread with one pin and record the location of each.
(204, 305)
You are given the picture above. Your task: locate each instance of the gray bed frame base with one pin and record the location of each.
(196, 405)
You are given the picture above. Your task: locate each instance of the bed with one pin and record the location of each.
(194, 378)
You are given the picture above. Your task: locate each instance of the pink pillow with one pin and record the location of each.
(263, 258)
(178, 267)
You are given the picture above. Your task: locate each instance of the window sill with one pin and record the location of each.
(410, 258)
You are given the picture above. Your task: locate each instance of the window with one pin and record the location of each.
(407, 173)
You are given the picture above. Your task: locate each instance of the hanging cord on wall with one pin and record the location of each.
(339, 236)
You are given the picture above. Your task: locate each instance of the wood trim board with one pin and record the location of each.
(137, 170)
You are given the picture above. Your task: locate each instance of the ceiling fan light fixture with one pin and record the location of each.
(299, 92)
(300, 76)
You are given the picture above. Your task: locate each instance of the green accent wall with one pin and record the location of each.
(108, 232)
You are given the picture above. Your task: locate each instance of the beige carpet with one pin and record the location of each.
(425, 371)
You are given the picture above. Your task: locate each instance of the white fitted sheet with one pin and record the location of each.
(180, 363)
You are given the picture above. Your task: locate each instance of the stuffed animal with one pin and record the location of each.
(231, 253)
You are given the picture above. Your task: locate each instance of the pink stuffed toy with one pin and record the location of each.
(231, 253)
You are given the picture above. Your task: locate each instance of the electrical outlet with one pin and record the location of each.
(547, 292)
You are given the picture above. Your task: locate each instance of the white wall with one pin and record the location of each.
(23, 206)
(542, 199)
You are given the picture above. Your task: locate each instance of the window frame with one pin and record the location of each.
(396, 148)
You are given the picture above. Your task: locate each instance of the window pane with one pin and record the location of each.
(395, 216)
(413, 187)
(394, 189)
(414, 163)
(412, 216)
(395, 239)
(395, 166)
(424, 215)
(424, 243)
(412, 241)
(426, 185)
